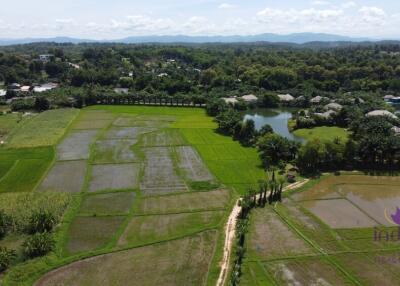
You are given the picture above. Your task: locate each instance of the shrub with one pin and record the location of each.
(6, 258)
(4, 223)
(38, 244)
(41, 221)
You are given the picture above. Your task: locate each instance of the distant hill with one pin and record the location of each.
(298, 38)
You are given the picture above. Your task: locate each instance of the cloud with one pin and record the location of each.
(294, 16)
(320, 3)
(227, 6)
(349, 5)
(142, 24)
(373, 15)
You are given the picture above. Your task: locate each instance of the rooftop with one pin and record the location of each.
(381, 113)
(285, 97)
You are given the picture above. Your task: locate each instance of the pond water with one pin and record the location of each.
(277, 118)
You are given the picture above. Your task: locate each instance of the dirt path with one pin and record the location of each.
(230, 232)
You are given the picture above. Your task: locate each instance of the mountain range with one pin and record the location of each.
(297, 38)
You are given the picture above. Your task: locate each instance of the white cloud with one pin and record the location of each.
(373, 15)
(226, 6)
(348, 5)
(320, 3)
(142, 24)
(311, 15)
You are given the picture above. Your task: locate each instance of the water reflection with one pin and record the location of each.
(277, 118)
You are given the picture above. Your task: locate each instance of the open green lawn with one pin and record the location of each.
(10, 121)
(22, 169)
(323, 133)
(44, 129)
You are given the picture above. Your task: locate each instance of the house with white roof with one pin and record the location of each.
(285, 97)
(333, 106)
(249, 98)
(230, 100)
(381, 113)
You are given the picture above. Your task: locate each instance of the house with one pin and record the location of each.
(46, 57)
(317, 99)
(285, 97)
(381, 113)
(25, 88)
(230, 100)
(388, 97)
(333, 106)
(162, 74)
(3, 92)
(396, 130)
(325, 115)
(45, 87)
(121, 90)
(249, 98)
(75, 66)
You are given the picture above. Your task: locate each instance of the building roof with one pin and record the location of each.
(285, 97)
(249, 97)
(381, 113)
(396, 130)
(389, 96)
(326, 114)
(25, 88)
(334, 106)
(3, 92)
(121, 90)
(230, 100)
(317, 99)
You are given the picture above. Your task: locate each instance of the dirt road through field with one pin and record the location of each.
(230, 232)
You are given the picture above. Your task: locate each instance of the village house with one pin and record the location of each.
(396, 130)
(318, 99)
(249, 98)
(333, 106)
(3, 93)
(285, 97)
(121, 90)
(45, 87)
(46, 57)
(381, 113)
(325, 115)
(230, 100)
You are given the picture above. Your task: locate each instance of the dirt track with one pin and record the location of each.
(230, 232)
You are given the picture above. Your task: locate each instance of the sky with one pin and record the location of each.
(105, 19)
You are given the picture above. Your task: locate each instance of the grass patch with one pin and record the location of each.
(203, 186)
(90, 233)
(107, 204)
(178, 262)
(148, 229)
(187, 202)
(323, 133)
(44, 129)
(22, 169)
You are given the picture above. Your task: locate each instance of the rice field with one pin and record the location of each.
(143, 188)
(346, 223)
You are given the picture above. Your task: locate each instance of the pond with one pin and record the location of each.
(277, 118)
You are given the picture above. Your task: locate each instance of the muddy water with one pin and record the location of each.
(339, 213)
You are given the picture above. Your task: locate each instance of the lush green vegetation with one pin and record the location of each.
(44, 129)
(22, 169)
(323, 133)
(208, 68)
